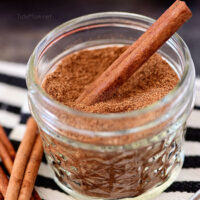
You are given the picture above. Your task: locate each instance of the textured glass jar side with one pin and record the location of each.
(115, 174)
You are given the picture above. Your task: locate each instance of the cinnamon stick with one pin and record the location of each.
(6, 159)
(35, 195)
(31, 170)
(6, 142)
(9, 164)
(21, 160)
(138, 53)
(1, 196)
(3, 182)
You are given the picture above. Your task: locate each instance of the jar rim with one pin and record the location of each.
(30, 76)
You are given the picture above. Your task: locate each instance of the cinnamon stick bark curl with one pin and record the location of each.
(137, 54)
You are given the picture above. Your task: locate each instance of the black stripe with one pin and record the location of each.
(10, 108)
(12, 80)
(191, 162)
(193, 134)
(47, 183)
(44, 159)
(15, 144)
(24, 118)
(197, 107)
(184, 186)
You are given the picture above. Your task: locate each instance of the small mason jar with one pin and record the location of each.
(130, 155)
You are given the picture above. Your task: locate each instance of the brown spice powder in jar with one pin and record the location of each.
(124, 173)
(149, 84)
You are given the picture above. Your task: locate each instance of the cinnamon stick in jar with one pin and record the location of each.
(137, 54)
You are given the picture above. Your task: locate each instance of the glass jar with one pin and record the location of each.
(133, 155)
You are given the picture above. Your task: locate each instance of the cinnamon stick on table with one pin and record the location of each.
(3, 182)
(5, 157)
(5, 141)
(21, 161)
(1, 196)
(7, 150)
(137, 54)
(31, 170)
(35, 195)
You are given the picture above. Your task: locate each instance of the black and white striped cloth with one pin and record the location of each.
(14, 113)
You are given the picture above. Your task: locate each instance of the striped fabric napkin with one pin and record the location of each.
(14, 113)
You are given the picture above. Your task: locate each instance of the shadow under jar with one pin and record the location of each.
(133, 155)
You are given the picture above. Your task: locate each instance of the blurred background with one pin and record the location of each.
(24, 23)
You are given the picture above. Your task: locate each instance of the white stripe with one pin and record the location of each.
(25, 108)
(194, 119)
(191, 174)
(45, 170)
(192, 148)
(174, 196)
(197, 102)
(18, 132)
(14, 69)
(47, 193)
(12, 95)
(8, 119)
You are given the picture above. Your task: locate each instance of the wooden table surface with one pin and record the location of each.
(24, 23)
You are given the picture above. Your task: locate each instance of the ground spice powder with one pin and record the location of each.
(149, 84)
